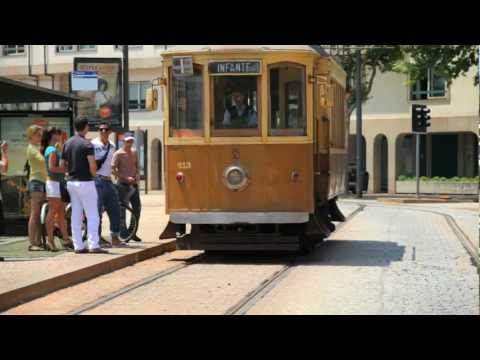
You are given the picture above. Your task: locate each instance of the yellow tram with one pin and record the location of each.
(255, 146)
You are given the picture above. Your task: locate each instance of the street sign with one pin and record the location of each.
(84, 81)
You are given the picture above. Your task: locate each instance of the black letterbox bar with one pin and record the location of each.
(234, 67)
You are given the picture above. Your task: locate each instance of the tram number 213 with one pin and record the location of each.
(184, 165)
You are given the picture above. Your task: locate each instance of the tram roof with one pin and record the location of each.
(220, 48)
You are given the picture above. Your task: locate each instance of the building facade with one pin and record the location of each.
(49, 66)
(450, 149)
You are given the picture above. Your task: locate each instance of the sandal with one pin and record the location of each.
(35, 248)
(68, 245)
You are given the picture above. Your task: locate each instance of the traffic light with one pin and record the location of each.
(420, 118)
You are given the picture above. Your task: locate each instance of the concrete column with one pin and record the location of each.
(370, 148)
(392, 163)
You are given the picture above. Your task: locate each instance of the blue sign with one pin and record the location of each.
(84, 81)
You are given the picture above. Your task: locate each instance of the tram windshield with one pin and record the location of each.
(235, 102)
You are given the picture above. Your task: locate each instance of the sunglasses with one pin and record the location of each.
(104, 130)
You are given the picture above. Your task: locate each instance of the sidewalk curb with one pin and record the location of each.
(30, 292)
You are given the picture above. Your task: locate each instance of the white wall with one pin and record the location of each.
(390, 98)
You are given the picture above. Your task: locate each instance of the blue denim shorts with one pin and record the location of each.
(36, 186)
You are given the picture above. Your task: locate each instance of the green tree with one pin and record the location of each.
(449, 61)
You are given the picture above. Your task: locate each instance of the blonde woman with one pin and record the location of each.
(36, 185)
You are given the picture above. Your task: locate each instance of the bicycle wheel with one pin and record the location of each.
(43, 223)
(130, 226)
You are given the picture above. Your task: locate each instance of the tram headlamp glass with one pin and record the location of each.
(235, 177)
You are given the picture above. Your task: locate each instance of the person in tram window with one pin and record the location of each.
(240, 115)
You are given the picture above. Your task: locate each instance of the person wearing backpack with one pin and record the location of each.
(107, 192)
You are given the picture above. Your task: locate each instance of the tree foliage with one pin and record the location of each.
(449, 61)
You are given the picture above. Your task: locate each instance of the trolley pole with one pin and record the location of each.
(359, 126)
(126, 123)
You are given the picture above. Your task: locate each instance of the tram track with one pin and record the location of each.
(466, 242)
(239, 308)
(127, 289)
(249, 301)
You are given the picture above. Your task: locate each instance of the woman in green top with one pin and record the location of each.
(36, 185)
(55, 175)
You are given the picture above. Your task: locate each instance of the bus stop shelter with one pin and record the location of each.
(14, 208)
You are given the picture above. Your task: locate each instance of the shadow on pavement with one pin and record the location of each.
(356, 253)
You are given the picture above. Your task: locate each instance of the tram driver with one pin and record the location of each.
(240, 115)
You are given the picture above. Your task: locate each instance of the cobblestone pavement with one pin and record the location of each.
(387, 260)
(16, 274)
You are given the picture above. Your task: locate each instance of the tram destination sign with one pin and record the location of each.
(234, 67)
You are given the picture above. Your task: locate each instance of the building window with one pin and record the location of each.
(13, 50)
(87, 47)
(136, 93)
(120, 47)
(61, 49)
(65, 48)
(431, 86)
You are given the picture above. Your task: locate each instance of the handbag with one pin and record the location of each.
(64, 192)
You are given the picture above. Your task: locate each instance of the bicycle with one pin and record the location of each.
(130, 220)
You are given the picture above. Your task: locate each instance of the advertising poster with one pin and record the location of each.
(12, 129)
(104, 103)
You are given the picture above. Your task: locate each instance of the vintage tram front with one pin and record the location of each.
(255, 146)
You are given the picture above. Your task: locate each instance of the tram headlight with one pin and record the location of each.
(235, 177)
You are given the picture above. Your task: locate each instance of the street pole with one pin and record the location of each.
(417, 170)
(359, 126)
(126, 123)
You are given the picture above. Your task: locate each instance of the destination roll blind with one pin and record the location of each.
(234, 67)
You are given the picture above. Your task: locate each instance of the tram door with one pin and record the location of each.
(322, 139)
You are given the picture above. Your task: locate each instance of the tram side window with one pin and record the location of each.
(186, 114)
(287, 100)
(235, 102)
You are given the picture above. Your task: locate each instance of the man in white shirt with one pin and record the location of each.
(107, 192)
